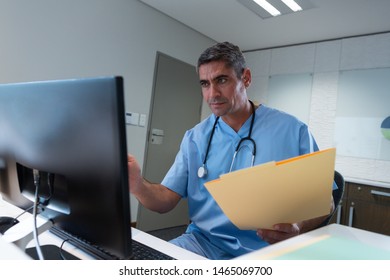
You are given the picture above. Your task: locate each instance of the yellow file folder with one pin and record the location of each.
(287, 191)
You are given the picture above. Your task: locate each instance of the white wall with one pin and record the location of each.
(54, 39)
(326, 60)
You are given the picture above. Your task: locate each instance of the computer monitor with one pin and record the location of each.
(73, 133)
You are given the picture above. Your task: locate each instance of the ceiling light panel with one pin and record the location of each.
(283, 6)
(268, 7)
(292, 5)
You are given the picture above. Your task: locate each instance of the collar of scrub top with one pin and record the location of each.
(202, 171)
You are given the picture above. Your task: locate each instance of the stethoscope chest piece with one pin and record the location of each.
(202, 171)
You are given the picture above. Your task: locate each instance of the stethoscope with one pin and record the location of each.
(202, 171)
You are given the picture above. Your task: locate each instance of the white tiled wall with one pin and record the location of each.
(365, 52)
(327, 56)
(325, 60)
(293, 60)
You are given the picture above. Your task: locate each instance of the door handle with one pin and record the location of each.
(338, 219)
(380, 193)
(350, 218)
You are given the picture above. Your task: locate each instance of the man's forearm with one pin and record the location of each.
(157, 197)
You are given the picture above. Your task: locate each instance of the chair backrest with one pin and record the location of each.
(337, 195)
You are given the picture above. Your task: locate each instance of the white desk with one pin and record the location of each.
(365, 241)
(10, 251)
(332, 242)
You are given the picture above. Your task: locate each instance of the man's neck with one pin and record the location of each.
(237, 120)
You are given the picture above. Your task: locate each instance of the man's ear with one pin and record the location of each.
(247, 77)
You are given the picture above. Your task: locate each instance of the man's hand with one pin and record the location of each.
(135, 177)
(279, 232)
(155, 197)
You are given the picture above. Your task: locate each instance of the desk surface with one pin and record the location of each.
(332, 242)
(10, 251)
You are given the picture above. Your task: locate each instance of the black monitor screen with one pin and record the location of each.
(73, 133)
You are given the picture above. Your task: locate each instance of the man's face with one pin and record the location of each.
(221, 89)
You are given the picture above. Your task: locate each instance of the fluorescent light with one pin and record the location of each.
(292, 5)
(268, 7)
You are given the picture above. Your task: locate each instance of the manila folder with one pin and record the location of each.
(287, 191)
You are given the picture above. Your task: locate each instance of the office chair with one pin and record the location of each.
(337, 195)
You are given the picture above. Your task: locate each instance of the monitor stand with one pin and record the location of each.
(22, 233)
(50, 252)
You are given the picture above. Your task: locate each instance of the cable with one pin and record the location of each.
(24, 212)
(35, 210)
(61, 250)
(45, 200)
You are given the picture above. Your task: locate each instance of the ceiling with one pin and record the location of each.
(229, 20)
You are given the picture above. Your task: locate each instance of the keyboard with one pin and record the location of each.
(143, 252)
(139, 251)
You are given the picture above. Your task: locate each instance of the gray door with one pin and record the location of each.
(176, 107)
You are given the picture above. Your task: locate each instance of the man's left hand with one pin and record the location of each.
(279, 232)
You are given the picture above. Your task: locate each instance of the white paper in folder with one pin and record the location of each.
(288, 191)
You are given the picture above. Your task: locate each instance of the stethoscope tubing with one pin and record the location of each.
(248, 138)
(202, 171)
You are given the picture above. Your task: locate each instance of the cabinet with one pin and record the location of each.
(365, 207)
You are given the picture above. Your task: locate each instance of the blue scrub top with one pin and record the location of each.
(277, 135)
